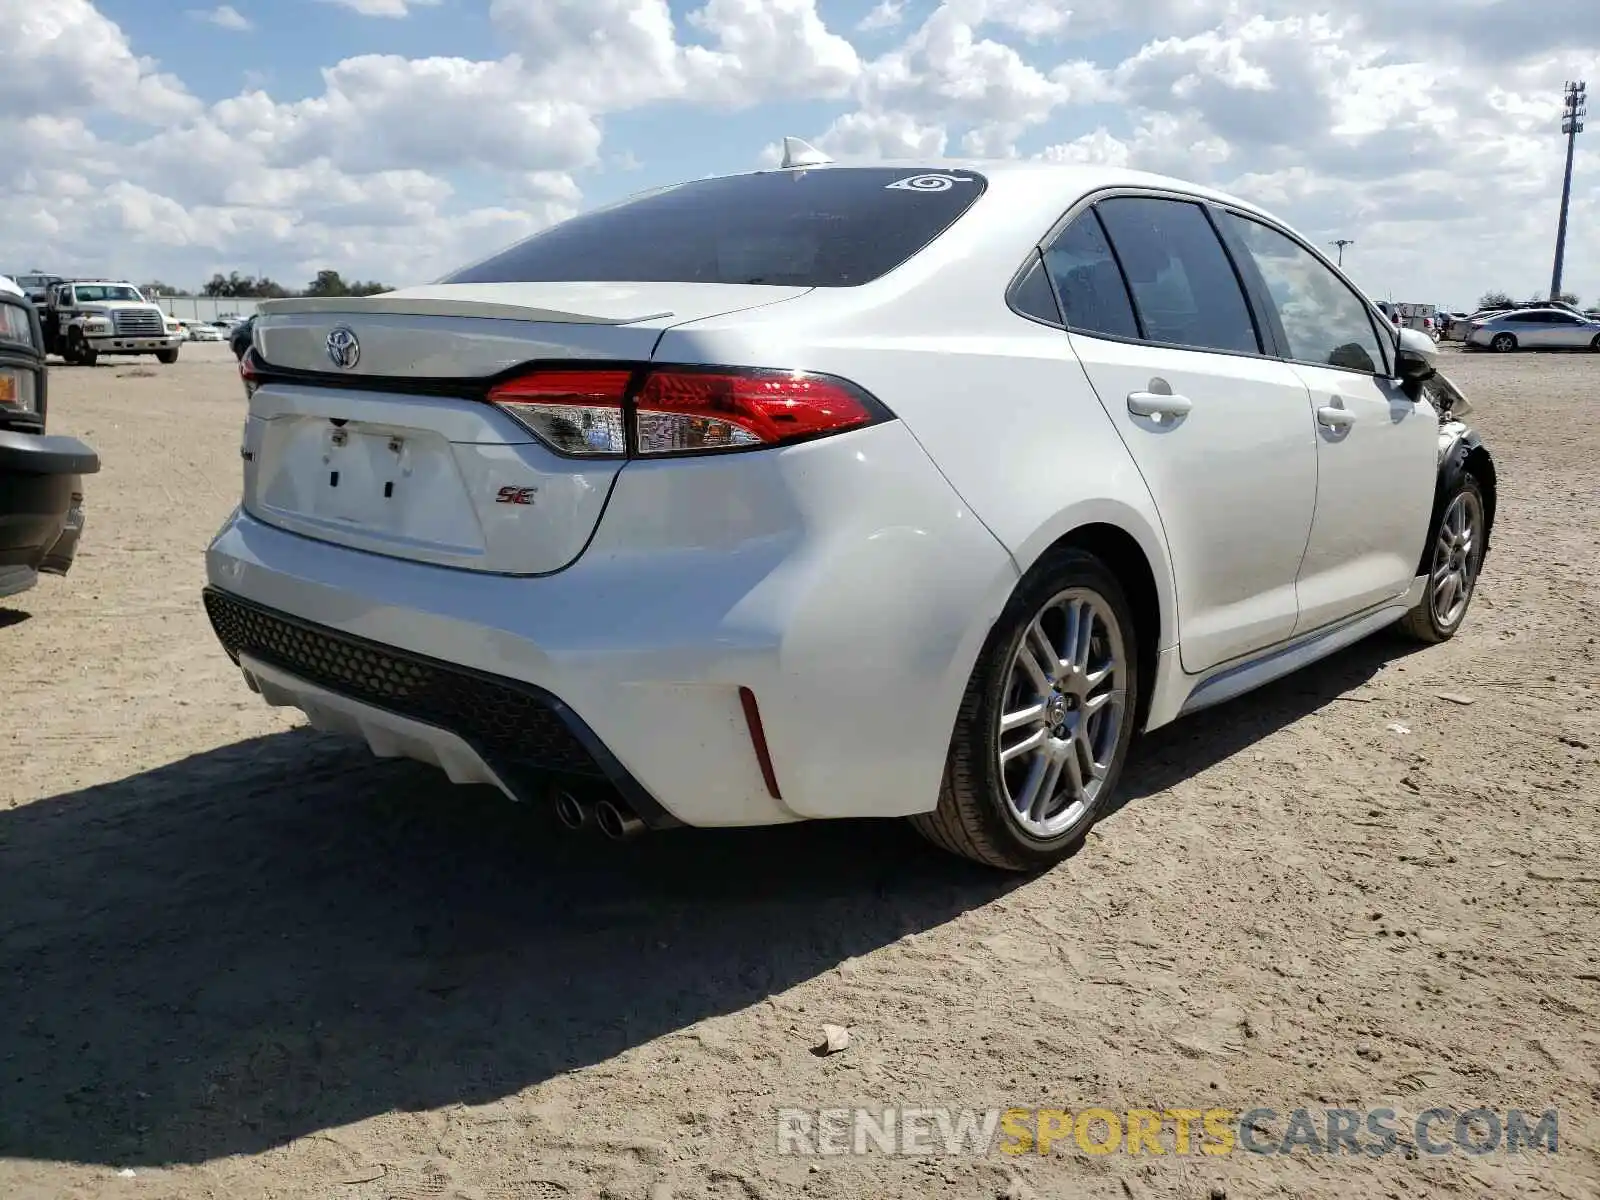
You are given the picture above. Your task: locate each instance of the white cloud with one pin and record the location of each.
(612, 55)
(384, 112)
(1033, 19)
(880, 135)
(1098, 148)
(65, 57)
(767, 48)
(947, 71)
(383, 8)
(886, 14)
(224, 16)
(607, 54)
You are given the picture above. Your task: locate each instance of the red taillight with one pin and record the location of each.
(680, 410)
(575, 412)
(703, 410)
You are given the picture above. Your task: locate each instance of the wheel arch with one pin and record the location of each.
(1466, 455)
(1135, 554)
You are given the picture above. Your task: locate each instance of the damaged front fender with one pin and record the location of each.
(1461, 452)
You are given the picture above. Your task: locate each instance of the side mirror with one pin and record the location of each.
(1414, 357)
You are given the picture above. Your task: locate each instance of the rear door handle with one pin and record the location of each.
(1335, 418)
(1158, 404)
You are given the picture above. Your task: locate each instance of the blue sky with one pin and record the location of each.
(175, 138)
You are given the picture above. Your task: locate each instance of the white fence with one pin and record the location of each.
(204, 308)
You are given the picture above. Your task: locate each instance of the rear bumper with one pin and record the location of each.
(476, 727)
(842, 582)
(41, 505)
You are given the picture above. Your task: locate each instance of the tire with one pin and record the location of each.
(167, 356)
(1595, 345)
(80, 352)
(976, 816)
(1503, 343)
(1440, 615)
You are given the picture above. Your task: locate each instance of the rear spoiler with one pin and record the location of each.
(418, 306)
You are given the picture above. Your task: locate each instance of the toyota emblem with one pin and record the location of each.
(344, 351)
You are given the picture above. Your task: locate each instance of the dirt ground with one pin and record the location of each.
(240, 960)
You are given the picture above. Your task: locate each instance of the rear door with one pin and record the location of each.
(369, 428)
(1566, 331)
(1377, 448)
(1539, 329)
(1220, 431)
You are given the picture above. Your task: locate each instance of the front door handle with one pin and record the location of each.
(1158, 404)
(1335, 418)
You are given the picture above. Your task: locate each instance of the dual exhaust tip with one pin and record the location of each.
(614, 820)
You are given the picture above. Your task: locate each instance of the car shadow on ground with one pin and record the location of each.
(1177, 751)
(283, 936)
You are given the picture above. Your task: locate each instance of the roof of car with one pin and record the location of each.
(1078, 178)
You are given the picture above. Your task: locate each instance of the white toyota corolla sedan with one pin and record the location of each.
(840, 491)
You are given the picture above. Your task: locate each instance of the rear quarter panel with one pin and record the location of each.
(999, 402)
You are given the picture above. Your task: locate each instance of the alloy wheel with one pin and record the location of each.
(1065, 698)
(1457, 555)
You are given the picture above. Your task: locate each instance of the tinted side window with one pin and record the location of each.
(1033, 295)
(1324, 321)
(836, 227)
(1094, 298)
(1183, 284)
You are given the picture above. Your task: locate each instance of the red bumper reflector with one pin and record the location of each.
(758, 740)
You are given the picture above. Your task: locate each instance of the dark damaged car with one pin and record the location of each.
(41, 476)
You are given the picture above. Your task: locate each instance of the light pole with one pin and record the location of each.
(1572, 113)
(1342, 243)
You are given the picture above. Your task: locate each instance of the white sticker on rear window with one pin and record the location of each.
(932, 182)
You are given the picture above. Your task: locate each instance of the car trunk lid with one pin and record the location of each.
(367, 427)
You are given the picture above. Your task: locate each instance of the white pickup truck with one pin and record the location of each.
(85, 318)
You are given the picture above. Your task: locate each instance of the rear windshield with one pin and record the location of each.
(836, 227)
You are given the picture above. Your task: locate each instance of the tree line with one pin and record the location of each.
(247, 287)
(1506, 300)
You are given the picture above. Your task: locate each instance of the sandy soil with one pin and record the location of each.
(241, 960)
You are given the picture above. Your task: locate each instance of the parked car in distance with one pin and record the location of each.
(201, 332)
(838, 491)
(41, 488)
(1534, 329)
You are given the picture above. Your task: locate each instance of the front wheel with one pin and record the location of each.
(1595, 345)
(1503, 343)
(1045, 722)
(1458, 546)
(167, 356)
